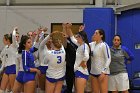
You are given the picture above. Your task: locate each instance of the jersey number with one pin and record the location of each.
(59, 59)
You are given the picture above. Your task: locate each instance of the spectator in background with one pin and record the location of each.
(30, 34)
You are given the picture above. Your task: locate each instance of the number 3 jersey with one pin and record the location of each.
(56, 63)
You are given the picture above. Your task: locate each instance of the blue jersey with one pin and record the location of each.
(28, 60)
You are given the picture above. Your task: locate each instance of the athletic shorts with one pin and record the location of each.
(29, 76)
(10, 69)
(19, 77)
(43, 69)
(119, 82)
(95, 75)
(52, 80)
(79, 74)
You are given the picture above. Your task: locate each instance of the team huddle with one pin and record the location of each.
(41, 61)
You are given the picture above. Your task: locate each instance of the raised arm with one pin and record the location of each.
(14, 38)
(70, 34)
(64, 30)
(38, 37)
(43, 43)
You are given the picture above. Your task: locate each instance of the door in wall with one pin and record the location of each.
(58, 27)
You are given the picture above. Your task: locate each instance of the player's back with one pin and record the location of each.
(56, 63)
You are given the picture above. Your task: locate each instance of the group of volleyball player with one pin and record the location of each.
(35, 63)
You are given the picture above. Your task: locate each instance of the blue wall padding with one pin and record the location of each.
(136, 40)
(129, 28)
(95, 18)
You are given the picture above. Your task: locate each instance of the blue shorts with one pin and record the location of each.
(96, 75)
(43, 69)
(52, 80)
(19, 77)
(29, 76)
(79, 74)
(10, 69)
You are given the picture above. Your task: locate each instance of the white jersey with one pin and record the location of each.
(3, 58)
(11, 51)
(56, 62)
(82, 54)
(100, 59)
(10, 56)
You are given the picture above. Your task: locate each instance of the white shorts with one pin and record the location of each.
(119, 82)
